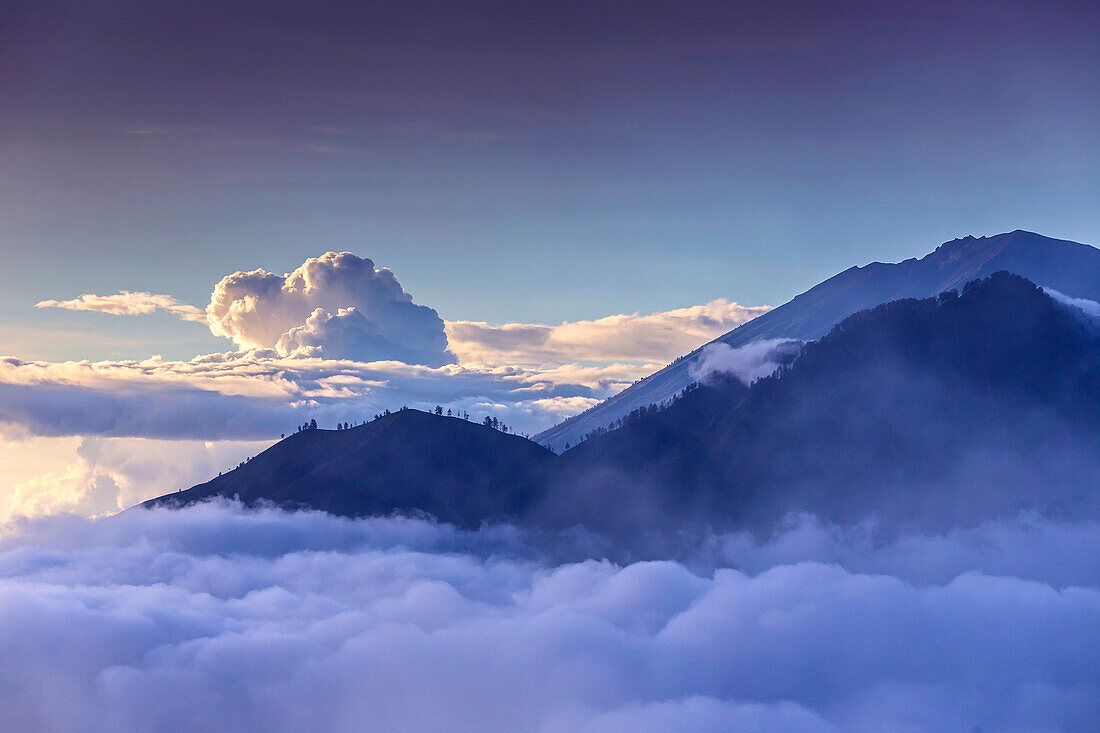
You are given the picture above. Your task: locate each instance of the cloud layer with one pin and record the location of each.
(247, 396)
(216, 618)
(658, 337)
(257, 394)
(335, 340)
(338, 304)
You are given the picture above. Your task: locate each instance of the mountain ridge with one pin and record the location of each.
(459, 471)
(1070, 267)
(937, 412)
(932, 412)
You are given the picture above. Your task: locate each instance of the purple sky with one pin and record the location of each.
(572, 194)
(539, 162)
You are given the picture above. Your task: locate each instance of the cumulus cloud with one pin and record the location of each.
(350, 333)
(1089, 307)
(748, 363)
(658, 337)
(127, 303)
(338, 303)
(218, 618)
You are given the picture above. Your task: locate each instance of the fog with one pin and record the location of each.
(748, 363)
(215, 617)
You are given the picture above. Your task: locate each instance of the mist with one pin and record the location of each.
(218, 617)
(748, 363)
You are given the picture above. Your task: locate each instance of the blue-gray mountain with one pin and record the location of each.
(930, 413)
(1069, 267)
(936, 413)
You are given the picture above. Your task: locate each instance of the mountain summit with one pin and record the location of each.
(1069, 267)
(409, 461)
(935, 412)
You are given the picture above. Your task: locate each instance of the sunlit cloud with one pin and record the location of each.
(258, 394)
(78, 488)
(337, 339)
(657, 337)
(252, 309)
(127, 303)
(103, 475)
(337, 305)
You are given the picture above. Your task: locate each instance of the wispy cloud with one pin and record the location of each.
(1089, 307)
(657, 337)
(748, 363)
(128, 303)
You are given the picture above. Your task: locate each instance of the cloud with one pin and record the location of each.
(218, 618)
(1090, 307)
(337, 303)
(658, 337)
(335, 340)
(338, 339)
(748, 363)
(257, 394)
(79, 488)
(127, 303)
(103, 475)
(1025, 546)
(261, 310)
(348, 332)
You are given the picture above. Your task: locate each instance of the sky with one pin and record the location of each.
(565, 195)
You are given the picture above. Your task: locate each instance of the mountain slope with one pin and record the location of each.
(935, 412)
(456, 470)
(1069, 267)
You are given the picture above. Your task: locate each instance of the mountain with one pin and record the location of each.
(1069, 267)
(409, 461)
(932, 412)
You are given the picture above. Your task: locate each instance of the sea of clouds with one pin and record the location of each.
(219, 618)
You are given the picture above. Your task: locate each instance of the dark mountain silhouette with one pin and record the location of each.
(1069, 267)
(408, 461)
(933, 412)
